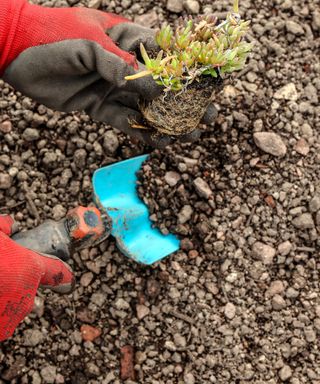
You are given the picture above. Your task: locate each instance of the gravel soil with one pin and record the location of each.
(240, 303)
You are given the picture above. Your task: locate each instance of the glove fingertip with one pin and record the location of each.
(191, 137)
(57, 275)
(7, 225)
(210, 115)
(145, 86)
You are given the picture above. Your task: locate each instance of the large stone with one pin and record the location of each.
(287, 92)
(270, 142)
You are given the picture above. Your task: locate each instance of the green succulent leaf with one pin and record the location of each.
(212, 72)
(145, 56)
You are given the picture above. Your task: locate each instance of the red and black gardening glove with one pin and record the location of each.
(21, 273)
(76, 59)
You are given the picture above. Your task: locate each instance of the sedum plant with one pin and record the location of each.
(196, 48)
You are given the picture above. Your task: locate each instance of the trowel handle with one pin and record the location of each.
(82, 227)
(50, 237)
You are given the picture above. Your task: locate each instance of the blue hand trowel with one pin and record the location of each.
(120, 212)
(115, 192)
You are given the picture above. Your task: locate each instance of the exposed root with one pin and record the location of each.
(179, 114)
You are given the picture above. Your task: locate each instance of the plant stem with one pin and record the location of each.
(138, 75)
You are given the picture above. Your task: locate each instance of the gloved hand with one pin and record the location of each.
(21, 273)
(76, 59)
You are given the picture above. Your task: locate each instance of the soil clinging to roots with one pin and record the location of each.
(180, 113)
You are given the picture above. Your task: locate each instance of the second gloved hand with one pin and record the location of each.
(21, 273)
(76, 59)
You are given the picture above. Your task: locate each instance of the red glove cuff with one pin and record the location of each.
(23, 25)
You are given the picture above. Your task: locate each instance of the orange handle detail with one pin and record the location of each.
(86, 221)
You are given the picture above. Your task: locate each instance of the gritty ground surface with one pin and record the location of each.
(240, 302)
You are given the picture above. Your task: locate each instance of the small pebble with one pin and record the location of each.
(202, 188)
(6, 126)
(110, 142)
(31, 134)
(142, 311)
(230, 311)
(275, 288)
(285, 248)
(86, 279)
(294, 27)
(48, 374)
(185, 214)
(285, 373)
(89, 333)
(302, 147)
(5, 180)
(192, 6)
(33, 337)
(270, 142)
(175, 6)
(278, 303)
(59, 212)
(172, 178)
(287, 92)
(263, 252)
(314, 204)
(189, 378)
(304, 221)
